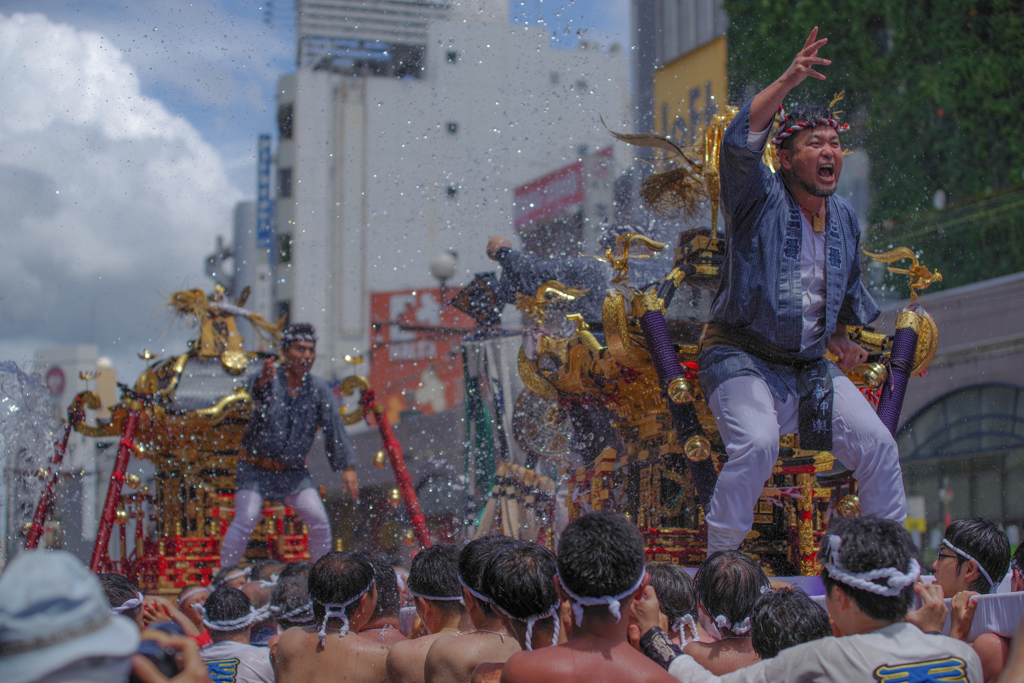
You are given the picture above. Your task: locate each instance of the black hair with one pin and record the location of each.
(221, 577)
(803, 114)
(262, 570)
(521, 580)
(675, 588)
(474, 558)
(291, 594)
(435, 571)
(1018, 557)
(870, 543)
(338, 577)
(728, 584)
(120, 590)
(389, 597)
(296, 329)
(227, 604)
(986, 543)
(600, 553)
(300, 569)
(785, 618)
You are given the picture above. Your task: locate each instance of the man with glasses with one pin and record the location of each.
(289, 407)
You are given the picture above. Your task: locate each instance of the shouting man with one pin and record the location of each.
(790, 289)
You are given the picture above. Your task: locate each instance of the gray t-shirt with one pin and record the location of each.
(231, 662)
(899, 653)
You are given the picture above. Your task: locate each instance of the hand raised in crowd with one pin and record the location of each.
(645, 614)
(494, 244)
(805, 61)
(156, 609)
(350, 483)
(931, 616)
(193, 670)
(268, 373)
(962, 614)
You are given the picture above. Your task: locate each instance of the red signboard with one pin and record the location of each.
(547, 196)
(415, 357)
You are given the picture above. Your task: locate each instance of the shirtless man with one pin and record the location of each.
(601, 570)
(452, 659)
(728, 584)
(434, 586)
(383, 624)
(521, 582)
(341, 586)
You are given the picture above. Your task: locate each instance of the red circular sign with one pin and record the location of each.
(55, 381)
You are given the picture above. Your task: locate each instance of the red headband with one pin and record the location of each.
(783, 133)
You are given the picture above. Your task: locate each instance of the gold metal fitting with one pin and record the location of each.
(122, 516)
(394, 496)
(680, 391)
(380, 458)
(233, 361)
(873, 374)
(848, 506)
(132, 481)
(697, 448)
(408, 537)
(42, 473)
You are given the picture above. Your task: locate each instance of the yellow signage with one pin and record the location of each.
(689, 90)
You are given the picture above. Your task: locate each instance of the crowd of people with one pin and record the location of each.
(512, 611)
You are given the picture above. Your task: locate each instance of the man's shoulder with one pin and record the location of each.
(417, 647)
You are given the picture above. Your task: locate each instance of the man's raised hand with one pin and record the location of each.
(805, 61)
(268, 372)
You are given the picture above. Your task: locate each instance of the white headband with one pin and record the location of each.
(865, 581)
(237, 574)
(680, 624)
(188, 594)
(532, 621)
(129, 604)
(457, 599)
(293, 615)
(228, 624)
(579, 602)
(269, 584)
(337, 609)
(722, 621)
(476, 594)
(961, 553)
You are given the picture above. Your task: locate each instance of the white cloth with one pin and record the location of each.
(900, 652)
(751, 420)
(231, 662)
(306, 504)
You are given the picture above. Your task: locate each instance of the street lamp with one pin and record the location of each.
(442, 267)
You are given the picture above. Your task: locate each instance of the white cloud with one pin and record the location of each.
(108, 200)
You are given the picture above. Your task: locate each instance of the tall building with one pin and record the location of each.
(380, 169)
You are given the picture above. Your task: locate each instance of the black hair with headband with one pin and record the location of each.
(728, 584)
(389, 597)
(434, 576)
(300, 569)
(121, 591)
(980, 540)
(338, 578)
(675, 588)
(227, 606)
(291, 604)
(600, 554)
(472, 560)
(784, 618)
(299, 332)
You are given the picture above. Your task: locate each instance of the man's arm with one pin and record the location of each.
(337, 445)
(768, 101)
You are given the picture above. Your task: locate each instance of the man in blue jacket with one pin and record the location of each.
(289, 407)
(790, 289)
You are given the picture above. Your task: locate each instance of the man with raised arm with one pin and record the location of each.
(342, 589)
(869, 571)
(790, 290)
(601, 571)
(452, 659)
(434, 585)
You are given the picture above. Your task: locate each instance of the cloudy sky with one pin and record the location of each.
(127, 133)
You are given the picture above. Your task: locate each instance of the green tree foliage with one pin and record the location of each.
(935, 94)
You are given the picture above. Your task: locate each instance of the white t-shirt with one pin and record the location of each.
(231, 662)
(812, 264)
(899, 653)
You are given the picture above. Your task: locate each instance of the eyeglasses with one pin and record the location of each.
(947, 557)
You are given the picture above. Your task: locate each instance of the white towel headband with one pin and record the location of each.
(896, 580)
(579, 602)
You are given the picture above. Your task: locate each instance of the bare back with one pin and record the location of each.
(352, 659)
(406, 658)
(387, 635)
(723, 656)
(452, 659)
(584, 659)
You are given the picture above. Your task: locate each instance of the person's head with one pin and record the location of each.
(676, 591)
(235, 577)
(852, 553)
(389, 599)
(1017, 567)
(809, 150)
(974, 555)
(228, 615)
(266, 570)
(728, 584)
(298, 347)
(300, 569)
(434, 585)
(521, 584)
(601, 565)
(341, 585)
(258, 592)
(291, 604)
(785, 618)
(189, 597)
(472, 561)
(124, 596)
(56, 624)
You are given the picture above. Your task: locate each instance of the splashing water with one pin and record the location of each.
(27, 433)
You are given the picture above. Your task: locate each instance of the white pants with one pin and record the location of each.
(306, 504)
(751, 420)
